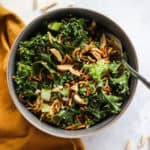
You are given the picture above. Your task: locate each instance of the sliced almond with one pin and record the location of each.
(96, 55)
(64, 67)
(65, 99)
(142, 141)
(78, 99)
(74, 87)
(48, 6)
(35, 4)
(148, 142)
(103, 41)
(83, 82)
(37, 92)
(57, 89)
(128, 145)
(56, 53)
(50, 37)
(75, 72)
(68, 68)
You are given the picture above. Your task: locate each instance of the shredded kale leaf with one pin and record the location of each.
(121, 83)
(98, 70)
(73, 30)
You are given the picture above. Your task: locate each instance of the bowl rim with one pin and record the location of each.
(54, 130)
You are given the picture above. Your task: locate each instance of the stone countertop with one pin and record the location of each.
(133, 16)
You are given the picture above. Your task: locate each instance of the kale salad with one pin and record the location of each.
(71, 76)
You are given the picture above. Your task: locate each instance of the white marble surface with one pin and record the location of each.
(133, 16)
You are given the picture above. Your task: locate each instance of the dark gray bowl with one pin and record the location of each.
(37, 25)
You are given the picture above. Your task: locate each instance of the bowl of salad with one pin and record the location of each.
(65, 72)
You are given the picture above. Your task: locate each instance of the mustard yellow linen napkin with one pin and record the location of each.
(15, 132)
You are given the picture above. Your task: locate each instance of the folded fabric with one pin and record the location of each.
(15, 132)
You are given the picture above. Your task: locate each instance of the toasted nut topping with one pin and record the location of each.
(78, 99)
(56, 53)
(48, 6)
(142, 141)
(57, 89)
(68, 68)
(74, 87)
(128, 145)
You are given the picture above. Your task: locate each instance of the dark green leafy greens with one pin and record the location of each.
(78, 84)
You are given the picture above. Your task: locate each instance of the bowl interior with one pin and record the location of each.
(37, 25)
